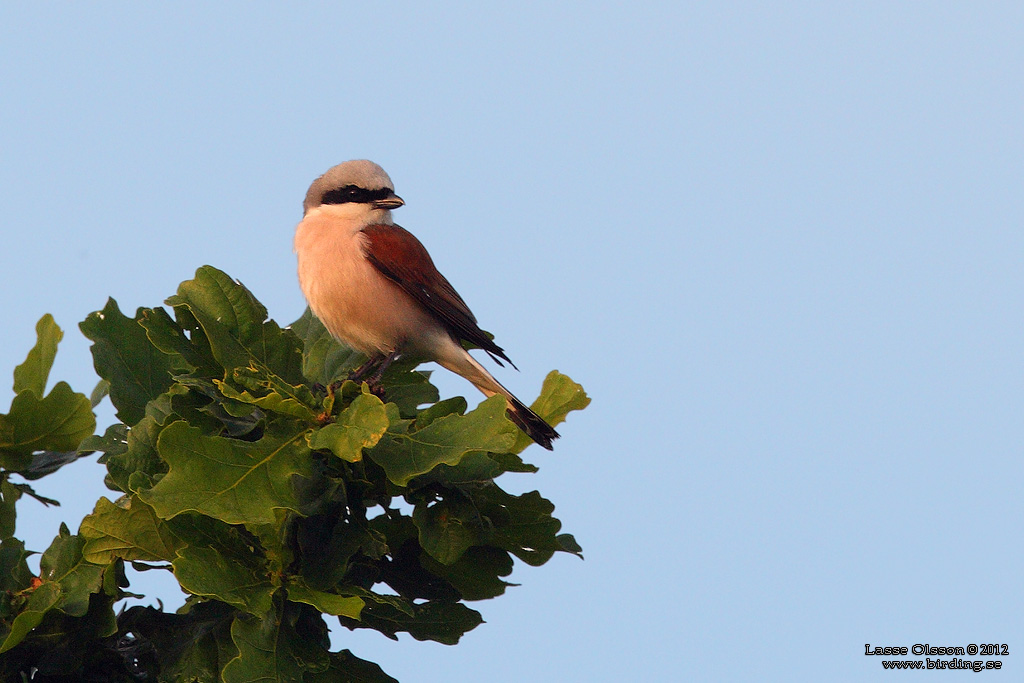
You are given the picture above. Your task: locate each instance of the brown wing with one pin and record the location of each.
(401, 258)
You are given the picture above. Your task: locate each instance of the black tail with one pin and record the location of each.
(531, 423)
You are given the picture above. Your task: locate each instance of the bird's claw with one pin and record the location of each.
(375, 387)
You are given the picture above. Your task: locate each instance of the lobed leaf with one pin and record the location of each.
(407, 388)
(328, 603)
(66, 582)
(359, 426)
(559, 396)
(447, 528)
(58, 422)
(442, 622)
(445, 441)
(273, 402)
(15, 575)
(244, 582)
(345, 666)
(62, 563)
(32, 374)
(43, 599)
(123, 355)
(328, 542)
(187, 646)
(170, 336)
(99, 392)
(227, 540)
(522, 525)
(238, 482)
(137, 454)
(9, 495)
(43, 463)
(130, 531)
(477, 574)
(236, 325)
(276, 649)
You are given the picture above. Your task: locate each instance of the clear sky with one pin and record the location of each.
(780, 244)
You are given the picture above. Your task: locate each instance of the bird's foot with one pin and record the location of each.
(375, 386)
(364, 370)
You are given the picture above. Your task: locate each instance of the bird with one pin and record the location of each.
(375, 288)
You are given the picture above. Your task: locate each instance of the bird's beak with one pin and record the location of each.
(392, 202)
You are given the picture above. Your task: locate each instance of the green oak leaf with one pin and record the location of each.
(474, 467)
(35, 371)
(272, 402)
(455, 405)
(403, 605)
(510, 462)
(445, 441)
(442, 622)
(328, 603)
(328, 542)
(278, 648)
(43, 463)
(14, 572)
(559, 396)
(139, 454)
(228, 540)
(124, 356)
(66, 645)
(567, 543)
(130, 531)
(62, 563)
(186, 401)
(477, 575)
(187, 644)
(447, 528)
(9, 495)
(203, 405)
(207, 390)
(58, 422)
(359, 426)
(181, 338)
(162, 409)
(522, 525)
(195, 655)
(260, 380)
(345, 666)
(408, 388)
(43, 599)
(67, 583)
(99, 392)
(236, 325)
(274, 539)
(244, 582)
(238, 482)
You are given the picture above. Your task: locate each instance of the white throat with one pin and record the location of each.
(358, 216)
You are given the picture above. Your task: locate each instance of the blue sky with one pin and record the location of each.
(779, 244)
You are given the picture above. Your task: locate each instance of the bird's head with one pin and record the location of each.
(354, 182)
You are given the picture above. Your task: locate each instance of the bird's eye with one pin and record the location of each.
(343, 195)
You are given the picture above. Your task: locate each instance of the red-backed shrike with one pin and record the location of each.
(374, 287)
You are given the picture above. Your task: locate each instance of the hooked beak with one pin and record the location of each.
(392, 202)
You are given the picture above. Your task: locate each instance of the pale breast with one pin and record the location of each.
(348, 294)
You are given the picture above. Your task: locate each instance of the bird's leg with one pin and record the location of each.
(360, 373)
(373, 381)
